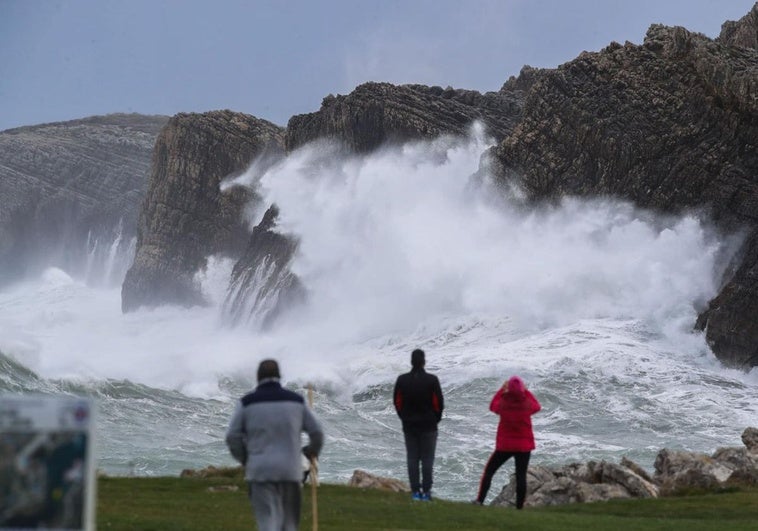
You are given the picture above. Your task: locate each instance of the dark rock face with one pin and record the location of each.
(186, 217)
(262, 287)
(70, 193)
(743, 32)
(378, 113)
(670, 125)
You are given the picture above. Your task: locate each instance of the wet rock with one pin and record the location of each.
(670, 125)
(186, 216)
(364, 480)
(262, 287)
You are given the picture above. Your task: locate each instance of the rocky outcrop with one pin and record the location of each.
(363, 480)
(262, 287)
(186, 217)
(378, 113)
(680, 471)
(743, 32)
(70, 193)
(671, 125)
(675, 472)
(580, 483)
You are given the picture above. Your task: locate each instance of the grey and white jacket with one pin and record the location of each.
(264, 433)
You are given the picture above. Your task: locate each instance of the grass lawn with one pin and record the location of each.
(175, 504)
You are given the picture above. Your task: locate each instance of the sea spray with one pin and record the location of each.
(591, 302)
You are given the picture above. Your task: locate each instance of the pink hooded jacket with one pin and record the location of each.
(515, 407)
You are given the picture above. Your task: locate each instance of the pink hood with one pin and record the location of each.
(516, 386)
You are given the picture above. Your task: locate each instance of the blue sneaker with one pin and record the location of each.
(417, 496)
(426, 497)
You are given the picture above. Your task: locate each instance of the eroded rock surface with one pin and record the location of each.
(670, 125)
(186, 217)
(70, 190)
(378, 113)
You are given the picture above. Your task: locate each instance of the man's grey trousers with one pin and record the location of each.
(276, 504)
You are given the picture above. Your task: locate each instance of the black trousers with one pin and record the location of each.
(496, 461)
(420, 448)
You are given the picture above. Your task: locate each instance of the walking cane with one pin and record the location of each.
(313, 472)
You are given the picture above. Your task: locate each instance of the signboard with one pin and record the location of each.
(46, 463)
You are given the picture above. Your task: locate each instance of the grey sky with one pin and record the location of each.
(69, 59)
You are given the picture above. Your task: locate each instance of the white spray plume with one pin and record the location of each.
(392, 239)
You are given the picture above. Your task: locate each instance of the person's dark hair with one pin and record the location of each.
(418, 358)
(268, 369)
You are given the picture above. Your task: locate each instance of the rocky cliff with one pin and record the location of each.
(743, 33)
(378, 113)
(671, 125)
(70, 193)
(186, 217)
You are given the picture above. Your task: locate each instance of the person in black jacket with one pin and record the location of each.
(419, 404)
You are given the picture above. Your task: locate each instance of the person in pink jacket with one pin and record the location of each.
(515, 405)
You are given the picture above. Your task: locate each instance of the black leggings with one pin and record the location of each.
(496, 460)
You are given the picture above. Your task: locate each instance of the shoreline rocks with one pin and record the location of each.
(676, 471)
(186, 216)
(364, 480)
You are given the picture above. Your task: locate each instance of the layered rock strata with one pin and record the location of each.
(671, 125)
(70, 193)
(375, 114)
(186, 217)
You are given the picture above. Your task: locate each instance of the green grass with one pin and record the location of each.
(186, 504)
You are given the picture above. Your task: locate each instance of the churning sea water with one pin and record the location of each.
(591, 302)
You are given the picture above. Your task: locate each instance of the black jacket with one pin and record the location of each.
(418, 400)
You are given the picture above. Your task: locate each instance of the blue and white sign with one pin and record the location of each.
(47, 476)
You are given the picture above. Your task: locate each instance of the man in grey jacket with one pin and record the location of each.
(264, 435)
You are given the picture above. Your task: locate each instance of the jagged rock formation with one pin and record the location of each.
(186, 217)
(743, 32)
(378, 113)
(581, 483)
(675, 471)
(262, 287)
(671, 125)
(70, 193)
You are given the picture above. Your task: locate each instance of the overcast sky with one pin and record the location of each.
(67, 59)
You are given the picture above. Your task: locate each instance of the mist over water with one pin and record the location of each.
(591, 302)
